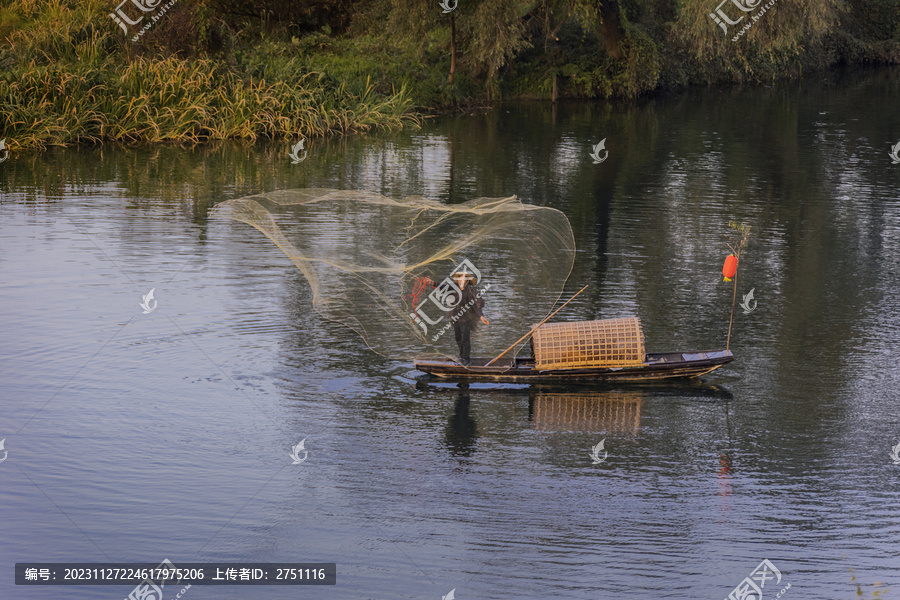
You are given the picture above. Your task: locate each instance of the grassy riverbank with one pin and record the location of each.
(69, 77)
(242, 69)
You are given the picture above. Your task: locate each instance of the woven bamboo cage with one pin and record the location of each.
(581, 344)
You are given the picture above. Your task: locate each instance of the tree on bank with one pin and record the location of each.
(774, 42)
(503, 46)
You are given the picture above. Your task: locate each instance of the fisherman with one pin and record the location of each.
(467, 313)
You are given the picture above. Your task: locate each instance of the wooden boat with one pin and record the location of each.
(584, 351)
(666, 365)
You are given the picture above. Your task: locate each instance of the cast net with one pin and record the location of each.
(383, 266)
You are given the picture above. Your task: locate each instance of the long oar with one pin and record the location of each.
(533, 329)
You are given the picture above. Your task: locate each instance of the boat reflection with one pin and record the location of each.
(601, 409)
(607, 411)
(612, 410)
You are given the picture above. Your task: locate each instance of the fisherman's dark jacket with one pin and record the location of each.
(469, 308)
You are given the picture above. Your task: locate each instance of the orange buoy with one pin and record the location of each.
(730, 267)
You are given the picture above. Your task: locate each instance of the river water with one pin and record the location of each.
(135, 437)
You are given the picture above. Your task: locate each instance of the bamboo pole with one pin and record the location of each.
(533, 329)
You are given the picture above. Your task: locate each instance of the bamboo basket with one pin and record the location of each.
(583, 344)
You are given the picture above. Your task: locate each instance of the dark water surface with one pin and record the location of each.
(135, 437)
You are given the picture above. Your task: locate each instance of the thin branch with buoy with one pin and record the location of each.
(729, 269)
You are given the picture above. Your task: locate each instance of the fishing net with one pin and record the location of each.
(383, 267)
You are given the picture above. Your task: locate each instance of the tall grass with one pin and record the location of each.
(174, 99)
(74, 79)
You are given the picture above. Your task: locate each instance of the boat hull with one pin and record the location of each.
(667, 365)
